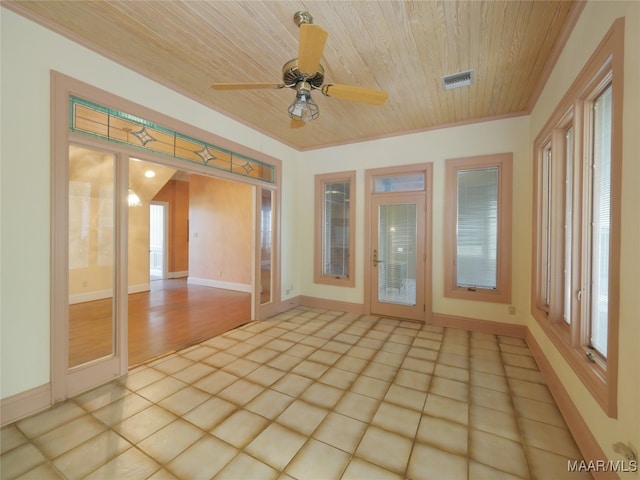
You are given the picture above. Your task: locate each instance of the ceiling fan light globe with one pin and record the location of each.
(304, 108)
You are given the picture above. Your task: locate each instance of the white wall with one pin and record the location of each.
(28, 54)
(593, 24)
(507, 135)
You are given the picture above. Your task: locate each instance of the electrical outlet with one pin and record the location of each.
(627, 451)
(512, 310)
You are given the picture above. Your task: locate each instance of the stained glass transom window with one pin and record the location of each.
(112, 125)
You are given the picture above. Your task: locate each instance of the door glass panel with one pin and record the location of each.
(397, 239)
(266, 242)
(91, 255)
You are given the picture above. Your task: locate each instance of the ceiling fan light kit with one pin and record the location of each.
(305, 74)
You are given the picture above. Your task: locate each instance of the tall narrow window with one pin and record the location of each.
(478, 228)
(600, 221)
(582, 225)
(334, 234)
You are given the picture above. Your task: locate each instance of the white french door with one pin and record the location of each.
(398, 241)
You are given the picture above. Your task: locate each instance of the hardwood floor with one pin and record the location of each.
(172, 316)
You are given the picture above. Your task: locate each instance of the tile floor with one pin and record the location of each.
(309, 394)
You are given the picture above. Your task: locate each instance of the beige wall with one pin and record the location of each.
(220, 230)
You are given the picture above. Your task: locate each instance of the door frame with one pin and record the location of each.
(370, 176)
(96, 373)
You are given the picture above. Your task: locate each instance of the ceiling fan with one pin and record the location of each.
(304, 74)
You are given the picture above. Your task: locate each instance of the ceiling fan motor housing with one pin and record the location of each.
(291, 75)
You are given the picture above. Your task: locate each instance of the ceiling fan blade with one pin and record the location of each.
(310, 47)
(355, 94)
(245, 86)
(295, 123)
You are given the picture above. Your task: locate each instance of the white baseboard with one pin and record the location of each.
(182, 274)
(25, 403)
(207, 282)
(101, 294)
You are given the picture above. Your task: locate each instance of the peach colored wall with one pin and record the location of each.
(176, 194)
(220, 230)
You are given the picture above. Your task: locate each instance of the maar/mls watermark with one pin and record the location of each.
(617, 466)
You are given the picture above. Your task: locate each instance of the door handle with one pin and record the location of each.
(375, 258)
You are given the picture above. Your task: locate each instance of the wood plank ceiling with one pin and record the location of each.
(403, 47)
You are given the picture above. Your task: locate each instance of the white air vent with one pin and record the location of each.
(457, 80)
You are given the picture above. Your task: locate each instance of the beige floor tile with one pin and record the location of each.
(44, 471)
(429, 463)
(193, 372)
(418, 365)
(302, 417)
(321, 395)
(65, 437)
(443, 434)
(351, 364)
(171, 440)
(210, 413)
(20, 460)
(360, 469)
(357, 406)
(512, 459)
(141, 377)
(269, 404)
(380, 371)
(549, 437)
(240, 428)
(397, 419)
(447, 408)
(478, 471)
(10, 438)
(284, 362)
(545, 464)
(244, 466)
(91, 455)
(534, 391)
(132, 465)
(172, 364)
(385, 449)
(241, 367)
(38, 424)
(122, 409)
(371, 387)
(265, 375)
(276, 446)
(317, 460)
(144, 423)
(494, 421)
(406, 397)
(485, 397)
(310, 369)
(540, 411)
(450, 388)
(241, 392)
(307, 394)
(338, 378)
(488, 380)
(340, 431)
(215, 382)
(101, 396)
(202, 460)
(292, 384)
(411, 379)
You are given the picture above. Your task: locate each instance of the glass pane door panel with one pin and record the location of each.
(91, 255)
(397, 255)
(266, 245)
